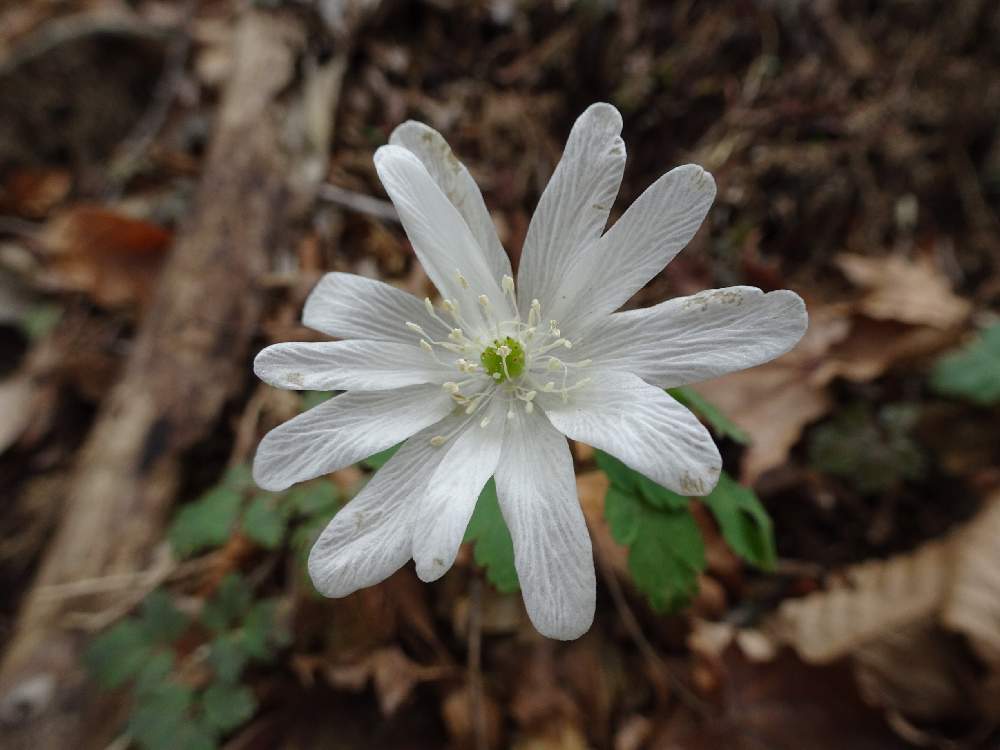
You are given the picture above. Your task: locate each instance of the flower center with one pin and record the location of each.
(504, 359)
(498, 355)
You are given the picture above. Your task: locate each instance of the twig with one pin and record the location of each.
(475, 663)
(364, 204)
(135, 145)
(683, 692)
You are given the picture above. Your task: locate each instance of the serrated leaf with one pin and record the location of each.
(494, 549)
(319, 497)
(229, 605)
(666, 551)
(260, 630)
(973, 372)
(719, 422)
(630, 481)
(227, 657)
(227, 705)
(118, 654)
(381, 458)
(265, 521)
(666, 557)
(154, 671)
(161, 619)
(207, 522)
(744, 522)
(159, 714)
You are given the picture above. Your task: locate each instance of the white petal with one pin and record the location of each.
(689, 339)
(552, 551)
(344, 430)
(574, 208)
(457, 184)
(641, 426)
(469, 461)
(348, 366)
(352, 307)
(441, 239)
(370, 538)
(647, 237)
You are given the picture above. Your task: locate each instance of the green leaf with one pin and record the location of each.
(159, 714)
(494, 549)
(153, 673)
(207, 522)
(723, 426)
(744, 523)
(227, 657)
(161, 619)
(229, 605)
(265, 521)
(311, 399)
(227, 705)
(315, 498)
(118, 654)
(666, 551)
(382, 458)
(239, 478)
(666, 557)
(973, 372)
(627, 480)
(260, 630)
(193, 736)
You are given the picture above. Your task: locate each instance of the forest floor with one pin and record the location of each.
(856, 147)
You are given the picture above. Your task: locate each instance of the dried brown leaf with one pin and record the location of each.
(973, 603)
(113, 257)
(904, 290)
(875, 598)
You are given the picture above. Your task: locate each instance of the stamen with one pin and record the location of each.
(507, 284)
(461, 279)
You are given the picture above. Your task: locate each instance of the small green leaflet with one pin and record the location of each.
(744, 523)
(494, 549)
(723, 426)
(666, 552)
(973, 372)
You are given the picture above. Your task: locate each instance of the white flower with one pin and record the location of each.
(491, 381)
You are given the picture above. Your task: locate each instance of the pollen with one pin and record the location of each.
(503, 359)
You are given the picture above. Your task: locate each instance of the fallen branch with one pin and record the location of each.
(188, 359)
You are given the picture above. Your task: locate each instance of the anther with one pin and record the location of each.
(428, 305)
(415, 327)
(438, 440)
(426, 346)
(461, 279)
(486, 421)
(507, 284)
(484, 300)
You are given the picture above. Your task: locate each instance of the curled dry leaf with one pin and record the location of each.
(972, 607)
(874, 598)
(908, 291)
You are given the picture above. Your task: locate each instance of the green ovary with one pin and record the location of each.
(493, 362)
